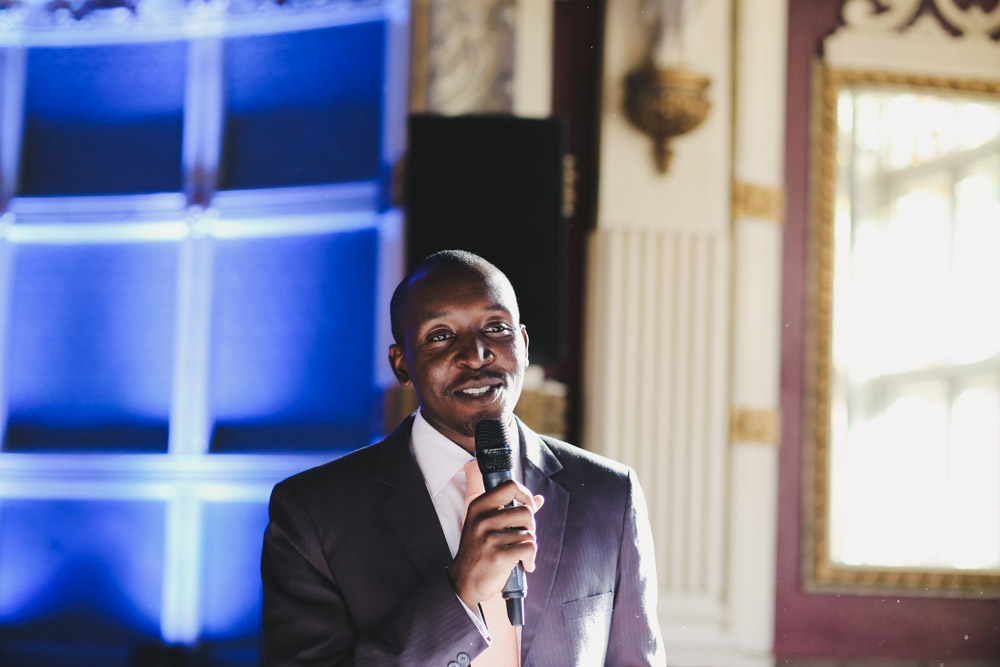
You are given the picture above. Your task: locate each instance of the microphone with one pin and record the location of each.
(495, 459)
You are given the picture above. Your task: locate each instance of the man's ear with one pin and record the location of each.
(524, 334)
(397, 359)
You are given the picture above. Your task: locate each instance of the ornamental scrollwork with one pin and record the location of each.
(899, 15)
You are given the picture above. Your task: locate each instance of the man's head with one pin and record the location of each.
(459, 341)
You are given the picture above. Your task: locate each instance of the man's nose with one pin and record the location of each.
(474, 352)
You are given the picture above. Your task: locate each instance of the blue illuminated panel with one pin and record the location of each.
(104, 119)
(303, 108)
(84, 573)
(231, 588)
(292, 343)
(90, 347)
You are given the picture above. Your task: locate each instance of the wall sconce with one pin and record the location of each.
(666, 100)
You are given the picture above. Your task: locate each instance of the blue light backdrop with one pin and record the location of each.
(164, 362)
(308, 101)
(104, 119)
(293, 341)
(76, 571)
(90, 347)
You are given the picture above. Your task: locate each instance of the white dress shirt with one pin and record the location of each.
(441, 461)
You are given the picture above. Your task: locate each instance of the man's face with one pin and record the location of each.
(465, 349)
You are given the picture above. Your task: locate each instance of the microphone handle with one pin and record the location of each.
(516, 588)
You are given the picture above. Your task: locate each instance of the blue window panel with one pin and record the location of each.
(303, 107)
(91, 347)
(293, 343)
(104, 119)
(87, 573)
(231, 588)
(52, 654)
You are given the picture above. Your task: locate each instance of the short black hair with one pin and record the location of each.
(460, 258)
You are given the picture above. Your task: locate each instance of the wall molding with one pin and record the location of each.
(750, 200)
(754, 425)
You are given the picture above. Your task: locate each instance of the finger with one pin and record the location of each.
(528, 562)
(539, 501)
(504, 519)
(514, 546)
(506, 493)
(525, 553)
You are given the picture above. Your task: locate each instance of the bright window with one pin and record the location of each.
(915, 449)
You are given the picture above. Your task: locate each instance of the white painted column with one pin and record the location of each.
(682, 329)
(758, 197)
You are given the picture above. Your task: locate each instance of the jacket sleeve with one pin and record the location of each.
(307, 622)
(634, 637)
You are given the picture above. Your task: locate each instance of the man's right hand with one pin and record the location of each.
(494, 539)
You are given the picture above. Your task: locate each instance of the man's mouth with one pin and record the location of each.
(480, 387)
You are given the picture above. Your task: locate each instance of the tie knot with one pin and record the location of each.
(474, 486)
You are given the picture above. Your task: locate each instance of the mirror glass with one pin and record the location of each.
(907, 395)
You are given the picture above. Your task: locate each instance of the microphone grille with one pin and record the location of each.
(492, 449)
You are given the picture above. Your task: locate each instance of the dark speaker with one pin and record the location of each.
(493, 185)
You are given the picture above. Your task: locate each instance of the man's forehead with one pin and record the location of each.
(445, 312)
(442, 289)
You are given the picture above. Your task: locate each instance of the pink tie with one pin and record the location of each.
(502, 651)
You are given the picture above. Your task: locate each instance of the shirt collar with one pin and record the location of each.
(440, 459)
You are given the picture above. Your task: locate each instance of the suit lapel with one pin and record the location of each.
(407, 509)
(409, 513)
(539, 465)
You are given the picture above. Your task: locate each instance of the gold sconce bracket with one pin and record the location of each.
(666, 102)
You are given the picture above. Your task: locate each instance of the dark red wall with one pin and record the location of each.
(847, 625)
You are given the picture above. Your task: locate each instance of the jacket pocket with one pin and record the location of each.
(583, 607)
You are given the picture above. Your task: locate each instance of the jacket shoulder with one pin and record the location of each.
(348, 475)
(581, 467)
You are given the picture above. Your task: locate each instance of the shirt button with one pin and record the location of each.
(463, 659)
(454, 664)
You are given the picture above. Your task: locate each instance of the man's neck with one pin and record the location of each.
(469, 443)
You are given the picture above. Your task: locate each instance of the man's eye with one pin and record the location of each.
(498, 329)
(438, 337)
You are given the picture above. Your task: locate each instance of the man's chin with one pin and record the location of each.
(468, 427)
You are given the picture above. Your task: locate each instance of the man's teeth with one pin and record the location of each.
(475, 392)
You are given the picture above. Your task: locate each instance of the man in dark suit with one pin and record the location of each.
(368, 560)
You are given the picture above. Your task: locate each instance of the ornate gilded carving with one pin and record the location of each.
(750, 200)
(665, 102)
(753, 425)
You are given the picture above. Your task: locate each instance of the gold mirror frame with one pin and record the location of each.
(820, 574)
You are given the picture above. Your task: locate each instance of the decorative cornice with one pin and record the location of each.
(750, 200)
(754, 425)
(897, 15)
(907, 36)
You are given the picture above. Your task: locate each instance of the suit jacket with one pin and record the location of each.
(354, 560)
